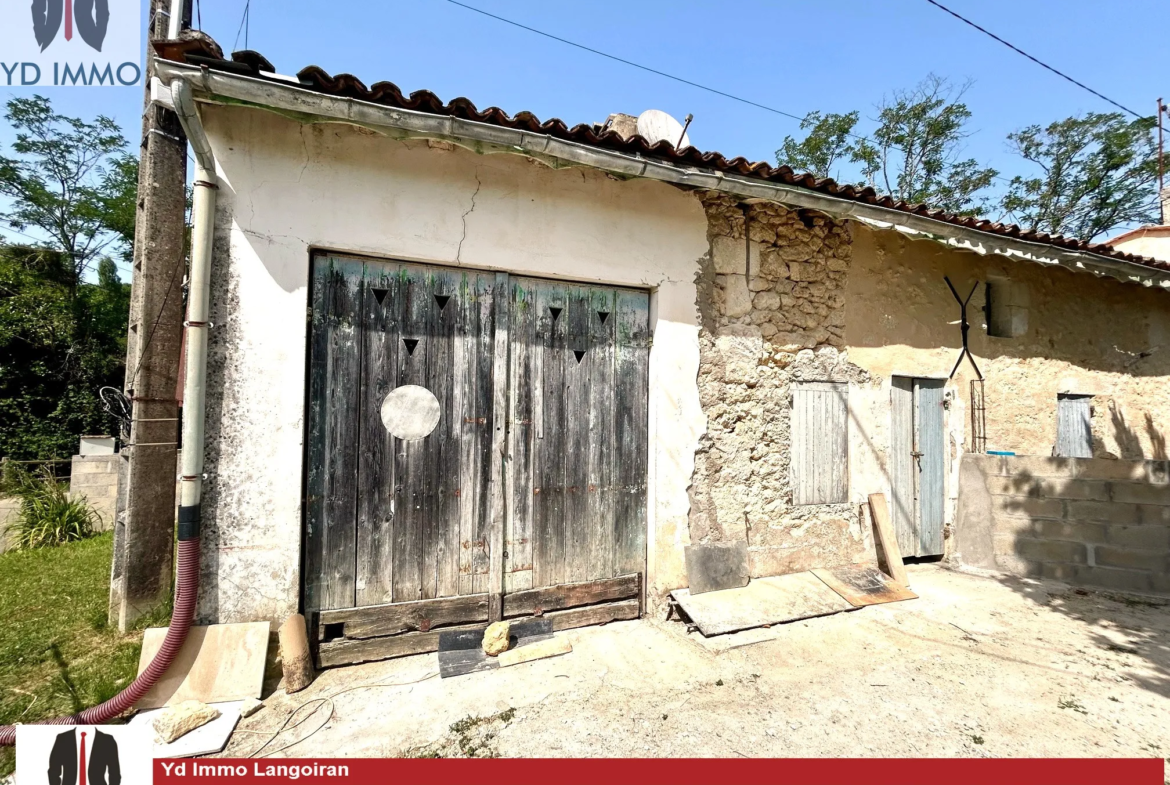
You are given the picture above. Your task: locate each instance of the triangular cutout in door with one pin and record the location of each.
(379, 294)
(410, 344)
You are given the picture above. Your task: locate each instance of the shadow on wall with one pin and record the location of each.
(1086, 522)
(1129, 443)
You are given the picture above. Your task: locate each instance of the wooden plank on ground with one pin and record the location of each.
(571, 595)
(377, 620)
(495, 538)
(551, 647)
(762, 602)
(887, 541)
(863, 584)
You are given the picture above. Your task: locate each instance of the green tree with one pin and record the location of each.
(70, 179)
(1097, 173)
(828, 143)
(914, 154)
(61, 343)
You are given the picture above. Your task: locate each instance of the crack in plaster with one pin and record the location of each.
(459, 250)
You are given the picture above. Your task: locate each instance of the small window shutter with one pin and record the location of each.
(820, 443)
(1074, 432)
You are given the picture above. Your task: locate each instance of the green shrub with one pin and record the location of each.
(47, 515)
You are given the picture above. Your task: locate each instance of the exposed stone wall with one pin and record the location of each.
(772, 309)
(1094, 522)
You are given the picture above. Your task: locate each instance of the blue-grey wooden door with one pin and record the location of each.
(1074, 432)
(931, 458)
(917, 464)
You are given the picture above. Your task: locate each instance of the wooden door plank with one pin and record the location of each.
(521, 393)
(412, 470)
(470, 459)
(375, 518)
(571, 595)
(495, 537)
(579, 362)
(390, 619)
(931, 438)
(484, 404)
(548, 493)
(601, 463)
(334, 381)
(631, 373)
(887, 539)
(442, 372)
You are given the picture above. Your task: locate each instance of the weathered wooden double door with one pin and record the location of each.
(473, 438)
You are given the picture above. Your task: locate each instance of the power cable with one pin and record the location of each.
(245, 23)
(1038, 62)
(664, 74)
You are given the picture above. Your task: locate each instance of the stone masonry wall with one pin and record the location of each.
(772, 311)
(1086, 521)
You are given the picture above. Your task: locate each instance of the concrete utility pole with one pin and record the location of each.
(141, 576)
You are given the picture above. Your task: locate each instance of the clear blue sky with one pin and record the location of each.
(795, 55)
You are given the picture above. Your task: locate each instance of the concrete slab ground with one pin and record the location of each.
(978, 666)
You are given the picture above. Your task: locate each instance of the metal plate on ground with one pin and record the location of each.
(722, 565)
(764, 601)
(220, 662)
(863, 584)
(461, 651)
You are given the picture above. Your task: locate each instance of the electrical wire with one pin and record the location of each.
(1037, 61)
(245, 22)
(666, 75)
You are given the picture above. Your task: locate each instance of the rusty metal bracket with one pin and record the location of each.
(965, 326)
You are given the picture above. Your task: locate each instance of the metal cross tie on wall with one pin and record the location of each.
(965, 326)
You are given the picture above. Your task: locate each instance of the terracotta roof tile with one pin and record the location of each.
(204, 52)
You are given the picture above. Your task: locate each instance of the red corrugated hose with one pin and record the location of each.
(186, 590)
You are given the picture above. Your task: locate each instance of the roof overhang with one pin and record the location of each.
(307, 106)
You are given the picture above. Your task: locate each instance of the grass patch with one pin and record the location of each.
(58, 655)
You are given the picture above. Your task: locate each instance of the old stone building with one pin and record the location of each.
(537, 357)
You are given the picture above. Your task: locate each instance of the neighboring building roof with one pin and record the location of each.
(1140, 232)
(204, 52)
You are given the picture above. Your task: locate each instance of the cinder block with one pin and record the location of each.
(1158, 472)
(1153, 515)
(1105, 512)
(1024, 506)
(1052, 551)
(1088, 490)
(1025, 466)
(1011, 526)
(1141, 493)
(1131, 558)
(1160, 582)
(1151, 538)
(1059, 572)
(1109, 469)
(1106, 577)
(1011, 563)
(1071, 531)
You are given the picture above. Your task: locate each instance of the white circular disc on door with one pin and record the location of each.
(410, 412)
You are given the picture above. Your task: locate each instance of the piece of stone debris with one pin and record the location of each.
(495, 638)
(182, 718)
(250, 706)
(535, 651)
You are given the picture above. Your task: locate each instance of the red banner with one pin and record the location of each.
(642, 771)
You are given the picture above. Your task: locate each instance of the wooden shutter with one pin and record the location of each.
(1074, 433)
(820, 443)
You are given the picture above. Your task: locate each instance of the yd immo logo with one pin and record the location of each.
(91, 16)
(70, 43)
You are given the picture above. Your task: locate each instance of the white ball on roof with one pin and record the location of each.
(655, 125)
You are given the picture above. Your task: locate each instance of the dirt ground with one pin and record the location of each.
(978, 666)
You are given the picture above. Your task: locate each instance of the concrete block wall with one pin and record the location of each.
(96, 478)
(1085, 521)
(9, 509)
